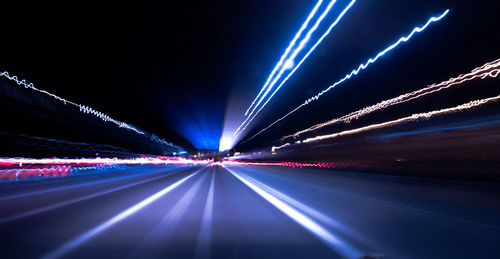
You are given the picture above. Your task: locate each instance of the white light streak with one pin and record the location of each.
(111, 222)
(310, 225)
(354, 72)
(288, 49)
(491, 70)
(250, 118)
(414, 117)
(82, 108)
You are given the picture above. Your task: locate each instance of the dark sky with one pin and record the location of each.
(170, 67)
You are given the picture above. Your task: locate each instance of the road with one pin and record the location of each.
(247, 212)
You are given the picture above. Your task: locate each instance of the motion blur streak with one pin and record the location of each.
(414, 117)
(321, 233)
(290, 61)
(108, 224)
(356, 71)
(102, 161)
(288, 49)
(169, 222)
(72, 201)
(76, 186)
(297, 164)
(14, 174)
(81, 107)
(297, 204)
(491, 69)
(202, 249)
(51, 167)
(250, 119)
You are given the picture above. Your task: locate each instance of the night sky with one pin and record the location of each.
(172, 67)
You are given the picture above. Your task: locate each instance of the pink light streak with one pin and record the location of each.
(103, 161)
(18, 168)
(13, 174)
(295, 164)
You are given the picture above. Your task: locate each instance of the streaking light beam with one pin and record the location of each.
(290, 60)
(109, 223)
(414, 117)
(250, 118)
(287, 51)
(83, 108)
(303, 220)
(491, 70)
(353, 73)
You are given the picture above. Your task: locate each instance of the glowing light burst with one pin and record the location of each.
(354, 72)
(250, 118)
(491, 70)
(414, 117)
(288, 49)
(82, 108)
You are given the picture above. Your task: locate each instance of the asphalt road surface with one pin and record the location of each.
(247, 212)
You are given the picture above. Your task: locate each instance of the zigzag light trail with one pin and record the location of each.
(353, 73)
(414, 117)
(81, 107)
(289, 61)
(491, 69)
(249, 118)
(288, 49)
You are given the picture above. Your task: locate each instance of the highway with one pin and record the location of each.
(247, 212)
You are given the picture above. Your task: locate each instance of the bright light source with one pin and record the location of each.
(289, 64)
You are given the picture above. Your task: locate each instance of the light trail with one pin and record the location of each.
(296, 164)
(287, 51)
(167, 224)
(353, 73)
(488, 70)
(75, 200)
(19, 168)
(202, 248)
(327, 237)
(102, 161)
(82, 108)
(14, 174)
(250, 118)
(290, 60)
(414, 117)
(64, 249)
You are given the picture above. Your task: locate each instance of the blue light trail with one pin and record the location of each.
(353, 73)
(290, 60)
(250, 117)
(288, 49)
